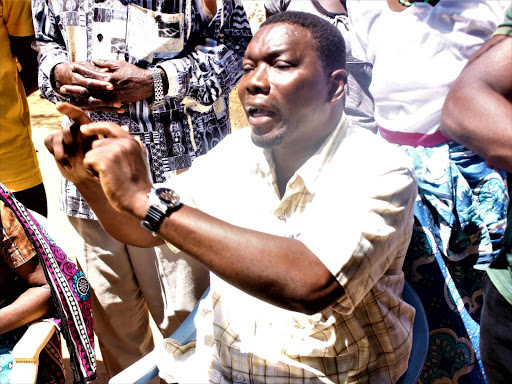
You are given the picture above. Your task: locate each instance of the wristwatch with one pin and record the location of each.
(162, 202)
(159, 99)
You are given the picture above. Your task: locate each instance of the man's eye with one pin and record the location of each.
(247, 69)
(282, 65)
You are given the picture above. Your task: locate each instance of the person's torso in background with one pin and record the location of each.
(19, 169)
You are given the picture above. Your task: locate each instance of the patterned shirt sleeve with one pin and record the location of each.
(276, 6)
(214, 66)
(50, 46)
(15, 247)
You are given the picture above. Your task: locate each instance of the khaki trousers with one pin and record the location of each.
(126, 283)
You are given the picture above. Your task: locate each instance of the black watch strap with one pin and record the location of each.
(155, 217)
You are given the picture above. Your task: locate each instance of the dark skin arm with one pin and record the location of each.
(32, 304)
(478, 109)
(21, 48)
(278, 270)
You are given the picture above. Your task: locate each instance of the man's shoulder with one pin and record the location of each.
(370, 152)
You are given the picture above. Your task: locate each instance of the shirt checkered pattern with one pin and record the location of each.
(15, 247)
(356, 215)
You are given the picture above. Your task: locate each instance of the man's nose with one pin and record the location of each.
(257, 80)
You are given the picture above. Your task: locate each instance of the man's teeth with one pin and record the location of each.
(256, 112)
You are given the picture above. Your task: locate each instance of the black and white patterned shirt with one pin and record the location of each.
(200, 53)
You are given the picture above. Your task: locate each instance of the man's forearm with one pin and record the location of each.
(275, 269)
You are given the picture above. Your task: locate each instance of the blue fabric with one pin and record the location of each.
(460, 215)
(419, 337)
(7, 342)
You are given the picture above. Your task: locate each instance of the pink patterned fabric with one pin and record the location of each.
(70, 293)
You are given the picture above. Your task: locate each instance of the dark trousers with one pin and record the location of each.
(496, 335)
(33, 198)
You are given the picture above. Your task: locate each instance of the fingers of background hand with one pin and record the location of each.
(74, 113)
(110, 64)
(104, 109)
(81, 85)
(90, 65)
(74, 90)
(102, 128)
(98, 80)
(95, 102)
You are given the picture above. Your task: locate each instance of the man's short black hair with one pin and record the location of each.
(329, 43)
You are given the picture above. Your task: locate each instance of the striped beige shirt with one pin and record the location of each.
(352, 205)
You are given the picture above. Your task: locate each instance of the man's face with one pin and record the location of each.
(284, 89)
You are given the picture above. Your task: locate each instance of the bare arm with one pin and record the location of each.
(478, 109)
(32, 304)
(281, 271)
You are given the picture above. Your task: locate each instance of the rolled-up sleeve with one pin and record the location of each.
(367, 234)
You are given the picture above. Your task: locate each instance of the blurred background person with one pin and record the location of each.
(478, 114)
(417, 50)
(19, 168)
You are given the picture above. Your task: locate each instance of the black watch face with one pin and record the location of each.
(168, 195)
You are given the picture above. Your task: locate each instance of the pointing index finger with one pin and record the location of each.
(74, 113)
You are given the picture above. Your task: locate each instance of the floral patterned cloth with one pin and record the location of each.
(460, 216)
(71, 299)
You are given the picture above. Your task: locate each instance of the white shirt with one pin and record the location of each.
(355, 214)
(418, 53)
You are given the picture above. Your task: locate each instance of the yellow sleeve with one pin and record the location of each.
(18, 17)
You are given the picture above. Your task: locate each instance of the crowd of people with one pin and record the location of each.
(378, 146)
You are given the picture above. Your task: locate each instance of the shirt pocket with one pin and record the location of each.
(153, 34)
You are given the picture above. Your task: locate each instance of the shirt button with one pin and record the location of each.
(240, 378)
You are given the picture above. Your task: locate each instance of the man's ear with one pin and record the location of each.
(337, 82)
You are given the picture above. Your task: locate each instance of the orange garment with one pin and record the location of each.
(19, 168)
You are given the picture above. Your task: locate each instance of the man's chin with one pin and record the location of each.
(266, 141)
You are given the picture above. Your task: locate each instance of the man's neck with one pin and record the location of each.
(286, 164)
(290, 157)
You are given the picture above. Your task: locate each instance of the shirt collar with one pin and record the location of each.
(312, 168)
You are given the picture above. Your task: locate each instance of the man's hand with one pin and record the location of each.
(69, 145)
(129, 82)
(120, 163)
(91, 93)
